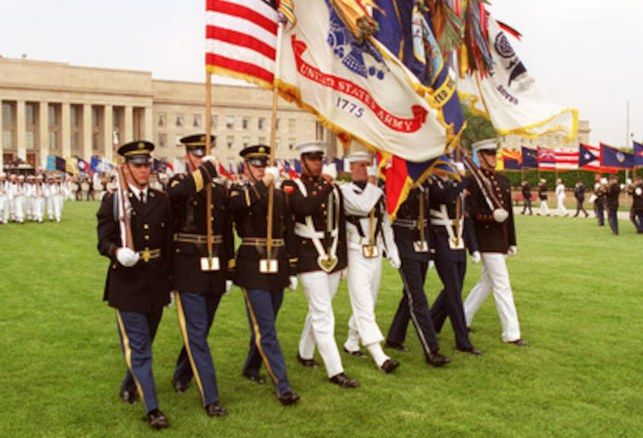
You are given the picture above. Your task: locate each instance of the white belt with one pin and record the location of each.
(304, 231)
(447, 222)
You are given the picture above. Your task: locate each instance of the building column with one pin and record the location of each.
(108, 132)
(21, 130)
(129, 124)
(87, 132)
(1, 140)
(65, 130)
(148, 123)
(43, 132)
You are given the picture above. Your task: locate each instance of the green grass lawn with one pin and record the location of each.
(578, 291)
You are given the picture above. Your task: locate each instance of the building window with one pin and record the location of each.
(54, 126)
(230, 141)
(246, 142)
(245, 123)
(76, 121)
(162, 140)
(229, 122)
(8, 124)
(262, 140)
(197, 121)
(180, 121)
(31, 116)
(261, 123)
(162, 120)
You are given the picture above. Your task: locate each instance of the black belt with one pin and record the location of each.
(197, 238)
(409, 223)
(261, 241)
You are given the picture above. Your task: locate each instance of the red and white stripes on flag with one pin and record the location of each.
(546, 159)
(566, 159)
(241, 39)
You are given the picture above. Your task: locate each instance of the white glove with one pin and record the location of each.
(603, 180)
(476, 257)
(638, 191)
(228, 286)
(431, 264)
(293, 282)
(500, 215)
(460, 168)
(394, 260)
(513, 251)
(628, 181)
(209, 159)
(372, 171)
(127, 257)
(272, 170)
(330, 170)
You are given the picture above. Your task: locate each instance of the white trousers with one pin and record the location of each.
(560, 207)
(4, 209)
(38, 209)
(495, 277)
(544, 208)
(319, 327)
(55, 207)
(364, 277)
(19, 209)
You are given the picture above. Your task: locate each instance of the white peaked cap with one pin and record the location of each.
(310, 147)
(358, 156)
(488, 144)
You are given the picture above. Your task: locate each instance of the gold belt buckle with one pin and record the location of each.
(420, 246)
(370, 251)
(268, 266)
(146, 255)
(209, 264)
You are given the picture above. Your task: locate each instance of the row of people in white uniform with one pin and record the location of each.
(30, 198)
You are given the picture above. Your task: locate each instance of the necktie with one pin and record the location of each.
(142, 197)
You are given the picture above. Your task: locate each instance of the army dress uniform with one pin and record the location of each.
(369, 236)
(613, 192)
(4, 199)
(261, 276)
(526, 196)
(411, 231)
(600, 193)
(496, 238)
(542, 195)
(637, 205)
(451, 235)
(138, 293)
(200, 281)
(579, 194)
(320, 227)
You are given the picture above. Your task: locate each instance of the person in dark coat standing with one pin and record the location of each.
(579, 194)
(138, 285)
(261, 276)
(612, 194)
(201, 279)
(526, 196)
(636, 191)
(600, 197)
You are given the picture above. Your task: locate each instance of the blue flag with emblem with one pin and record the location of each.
(638, 154)
(612, 157)
(529, 158)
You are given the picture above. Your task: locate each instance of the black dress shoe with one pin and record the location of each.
(472, 350)
(518, 343)
(254, 378)
(356, 353)
(216, 410)
(129, 396)
(436, 360)
(343, 381)
(288, 398)
(398, 347)
(389, 365)
(157, 420)
(310, 363)
(470, 330)
(180, 386)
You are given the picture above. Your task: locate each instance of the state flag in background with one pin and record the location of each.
(546, 159)
(529, 158)
(638, 154)
(511, 159)
(566, 159)
(589, 158)
(612, 157)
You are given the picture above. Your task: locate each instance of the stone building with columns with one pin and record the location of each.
(51, 108)
(551, 141)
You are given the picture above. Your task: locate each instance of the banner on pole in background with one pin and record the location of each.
(612, 157)
(638, 154)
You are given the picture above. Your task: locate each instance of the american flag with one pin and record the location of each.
(241, 39)
(546, 159)
(566, 159)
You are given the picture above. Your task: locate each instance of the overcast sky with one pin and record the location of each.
(583, 53)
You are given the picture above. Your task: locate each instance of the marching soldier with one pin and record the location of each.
(613, 191)
(411, 231)
(496, 235)
(19, 200)
(137, 282)
(526, 195)
(600, 192)
(369, 235)
(4, 199)
(39, 200)
(320, 227)
(542, 195)
(451, 234)
(200, 279)
(637, 204)
(579, 194)
(560, 198)
(263, 276)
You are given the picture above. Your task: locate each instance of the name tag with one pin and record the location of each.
(268, 266)
(210, 264)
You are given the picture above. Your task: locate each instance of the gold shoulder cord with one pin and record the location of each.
(422, 215)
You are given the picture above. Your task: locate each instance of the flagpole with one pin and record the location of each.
(273, 147)
(208, 151)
